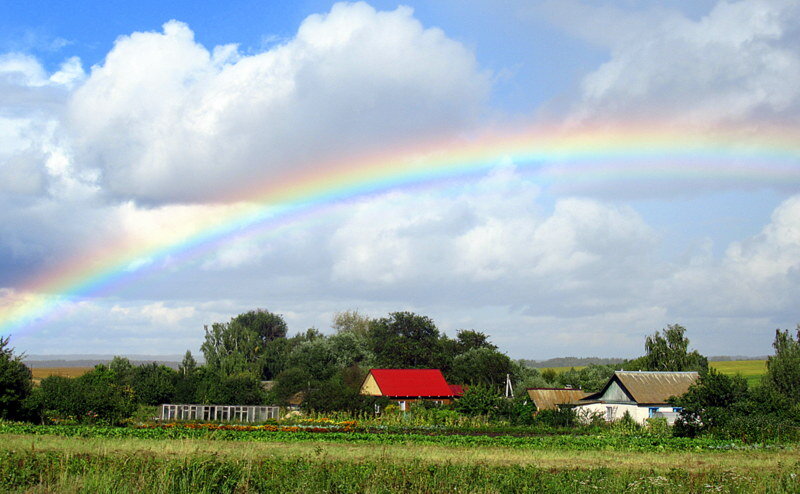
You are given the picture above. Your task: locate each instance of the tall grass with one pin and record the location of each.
(47, 471)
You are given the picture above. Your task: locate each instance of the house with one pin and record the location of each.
(409, 385)
(550, 398)
(642, 394)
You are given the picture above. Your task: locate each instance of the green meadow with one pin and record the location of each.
(752, 370)
(49, 463)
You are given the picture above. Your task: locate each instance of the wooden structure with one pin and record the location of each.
(222, 413)
(409, 385)
(642, 394)
(550, 398)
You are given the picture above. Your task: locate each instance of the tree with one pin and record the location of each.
(350, 321)
(405, 340)
(231, 348)
(316, 357)
(469, 339)
(351, 348)
(188, 365)
(154, 384)
(94, 397)
(669, 352)
(783, 368)
(266, 325)
(15, 382)
(710, 402)
(480, 400)
(591, 378)
(481, 366)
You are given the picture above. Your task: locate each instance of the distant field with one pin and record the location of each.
(752, 370)
(40, 373)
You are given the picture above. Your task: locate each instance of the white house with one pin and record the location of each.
(642, 394)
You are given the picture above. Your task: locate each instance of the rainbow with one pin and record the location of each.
(768, 157)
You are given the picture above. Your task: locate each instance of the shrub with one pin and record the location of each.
(480, 400)
(560, 417)
(15, 382)
(91, 398)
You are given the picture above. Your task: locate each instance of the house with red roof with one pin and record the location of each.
(409, 385)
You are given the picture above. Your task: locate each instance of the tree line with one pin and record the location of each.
(251, 360)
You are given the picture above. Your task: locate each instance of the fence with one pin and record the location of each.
(232, 413)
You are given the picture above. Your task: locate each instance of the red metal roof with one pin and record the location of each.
(457, 389)
(412, 382)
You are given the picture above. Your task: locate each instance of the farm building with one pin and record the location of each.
(640, 393)
(550, 398)
(409, 385)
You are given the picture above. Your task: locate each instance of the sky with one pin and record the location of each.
(566, 176)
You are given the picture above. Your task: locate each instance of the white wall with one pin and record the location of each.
(639, 413)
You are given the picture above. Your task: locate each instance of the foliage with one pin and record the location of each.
(188, 365)
(480, 400)
(481, 365)
(239, 389)
(15, 382)
(560, 417)
(590, 379)
(708, 403)
(783, 368)
(567, 442)
(154, 384)
(291, 381)
(405, 340)
(351, 321)
(670, 352)
(469, 339)
(317, 357)
(231, 348)
(92, 398)
(264, 324)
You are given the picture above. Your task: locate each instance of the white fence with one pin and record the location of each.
(232, 413)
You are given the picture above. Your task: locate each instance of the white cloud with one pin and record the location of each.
(165, 119)
(757, 276)
(493, 234)
(739, 61)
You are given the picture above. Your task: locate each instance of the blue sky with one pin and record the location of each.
(122, 120)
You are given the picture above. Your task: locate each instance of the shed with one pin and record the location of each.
(408, 385)
(550, 398)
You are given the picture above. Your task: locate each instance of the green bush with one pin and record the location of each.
(480, 400)
(560, 417)
(15, 383)
(91, 398)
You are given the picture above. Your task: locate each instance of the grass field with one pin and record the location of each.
(752, 370)
(40, 373)
(69, 464)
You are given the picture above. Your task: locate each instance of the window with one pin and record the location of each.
(402, 405)
(653, 411)
(610, 413)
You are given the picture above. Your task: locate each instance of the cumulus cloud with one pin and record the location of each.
(756, 276)
(495, 243)
(166, 119)
(741, 60)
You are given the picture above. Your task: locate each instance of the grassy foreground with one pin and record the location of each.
(73, 464)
